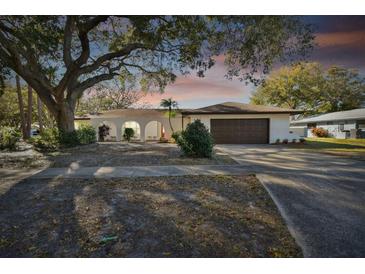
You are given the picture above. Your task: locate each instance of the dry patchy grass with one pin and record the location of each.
(190, 216)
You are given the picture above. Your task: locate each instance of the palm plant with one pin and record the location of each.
(170, 105)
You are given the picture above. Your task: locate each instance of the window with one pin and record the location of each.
(361, 124)
(312, 125)
(341, 126)
(329, 123)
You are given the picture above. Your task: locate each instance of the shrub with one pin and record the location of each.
(128, 133)
(301, 140)
(48, 140)
(103, 132)
(319, 132)
(196, 140)
(277, 141)
(86, 134)
(294, 141)
(175, 135)
(68, 139)
(9, 138)
(285, 141)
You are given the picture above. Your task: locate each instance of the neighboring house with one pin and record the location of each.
(341, 124)
(229, 123)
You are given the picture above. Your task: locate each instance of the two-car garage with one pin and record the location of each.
(239, 123)
(240, 131)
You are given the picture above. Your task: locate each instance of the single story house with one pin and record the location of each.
(340, 124)
(229, 123)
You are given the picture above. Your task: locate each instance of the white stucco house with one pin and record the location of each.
(341, 124)
(229, 123)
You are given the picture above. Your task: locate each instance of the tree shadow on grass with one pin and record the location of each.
(201, 216)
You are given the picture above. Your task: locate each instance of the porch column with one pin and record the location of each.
(142, 130)
(118, 133)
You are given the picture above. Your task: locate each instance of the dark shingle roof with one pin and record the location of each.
(239, 108)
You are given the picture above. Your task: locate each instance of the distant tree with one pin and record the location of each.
(10, 114)
(170, 105)
(81, 51)
(344, 90)
(40, 114)
(21, 107)
(116, 95)
(29, 111)
(308, 87)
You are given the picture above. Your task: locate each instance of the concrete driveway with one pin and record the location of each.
(321, 197)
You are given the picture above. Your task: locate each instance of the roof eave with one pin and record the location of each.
(250, 112)
(327, 120)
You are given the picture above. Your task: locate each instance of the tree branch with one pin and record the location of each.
(110, 56)
(67, 39)
(73, 67)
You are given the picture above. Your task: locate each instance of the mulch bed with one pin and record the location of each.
(191, 216)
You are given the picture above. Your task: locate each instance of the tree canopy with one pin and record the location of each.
(62, 56)
(311, 88)
(107, 97)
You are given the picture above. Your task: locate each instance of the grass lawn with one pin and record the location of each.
(191, 216)
(341, 147)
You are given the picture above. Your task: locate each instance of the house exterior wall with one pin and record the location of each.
(150, 124)
(153, 131)
(143, 121)
(301, 131)
(333, 128)
(279, 123)
(78, 123)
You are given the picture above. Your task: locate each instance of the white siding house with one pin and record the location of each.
(229, 123)
(341, 124)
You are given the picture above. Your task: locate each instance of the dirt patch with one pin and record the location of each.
(121, 154)
(190, 216)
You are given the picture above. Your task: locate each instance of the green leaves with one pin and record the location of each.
(308, 87)
(195, 140)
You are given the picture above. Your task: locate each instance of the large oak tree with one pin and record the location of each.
(62, 56)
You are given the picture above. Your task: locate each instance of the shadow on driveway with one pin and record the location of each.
(322, 197)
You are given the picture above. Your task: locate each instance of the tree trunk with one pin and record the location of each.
(40, 113)
(30, 111)
(21, 106)
(170, 120)
(65, 118)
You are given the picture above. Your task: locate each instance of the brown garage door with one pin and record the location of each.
(240, 131)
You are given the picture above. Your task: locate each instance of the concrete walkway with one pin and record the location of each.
(321, 197)
(139, 171)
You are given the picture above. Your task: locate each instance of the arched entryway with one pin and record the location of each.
(135, 126)
(106, 131)
(154, 130)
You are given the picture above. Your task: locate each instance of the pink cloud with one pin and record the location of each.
(345, 39)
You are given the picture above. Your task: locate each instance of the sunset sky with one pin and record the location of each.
(340, 41)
